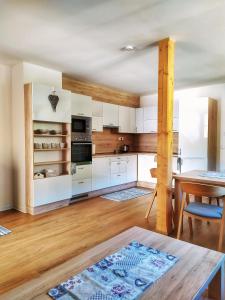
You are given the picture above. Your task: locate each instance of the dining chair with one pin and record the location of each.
(199, 210)
(153, 173)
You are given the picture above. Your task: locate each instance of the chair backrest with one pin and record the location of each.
(153, 172)
(202, 190)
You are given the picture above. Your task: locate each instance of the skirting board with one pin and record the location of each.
(48, 207)
(52, 206)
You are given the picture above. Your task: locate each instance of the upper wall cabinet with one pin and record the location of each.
(110, 115)
(44, 110)
(139, 120)
(97, 109)
(97, 116)
(81, 105)
(127, 119)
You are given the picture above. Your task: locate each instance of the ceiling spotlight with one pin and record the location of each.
(129, 48)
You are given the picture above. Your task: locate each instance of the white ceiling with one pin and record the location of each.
(83, 37)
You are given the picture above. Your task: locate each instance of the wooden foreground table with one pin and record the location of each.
(197, 269)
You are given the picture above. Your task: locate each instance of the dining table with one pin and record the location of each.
(196, 176)
(199, 271)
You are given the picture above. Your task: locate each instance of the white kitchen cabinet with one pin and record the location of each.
(97, 124)
(139, 120)
(150, 113)
(131, 168)
(110, 114)
(82, 172)
(42, 109)
(81, 179)
(150, 126)
(52, 189)
(132, 112)
(127, 119)
(81, 186)
(124, 119)
(97, 108)
(100, 173)
(118, 170)
(81, 105)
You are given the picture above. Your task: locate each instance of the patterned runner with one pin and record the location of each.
(125, 274)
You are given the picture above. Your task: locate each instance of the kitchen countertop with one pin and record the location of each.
(125, 154)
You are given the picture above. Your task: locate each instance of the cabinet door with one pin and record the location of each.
(150, 126)
(81, 105)
(97, 124)
(82, 172)
(81, 186)
(100, 173)
(52, 189)
(139, 120)
(150, 113)
(42, 109)
(131, 168)
(132, 112)
(115, 167)
(110, 114)
(97, 109)
(124, 119)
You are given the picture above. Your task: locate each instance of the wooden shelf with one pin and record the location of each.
(50, 135)
(52, 149)
(41, 163)
(66, 174)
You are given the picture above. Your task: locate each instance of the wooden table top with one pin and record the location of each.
(186, 280)
(194, 176)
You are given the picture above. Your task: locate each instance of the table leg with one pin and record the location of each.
(178, 197)
(216, 287)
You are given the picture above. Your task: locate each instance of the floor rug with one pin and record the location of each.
(128, 194)
(4, 231)
(123, 275)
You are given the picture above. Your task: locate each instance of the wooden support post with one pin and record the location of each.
(165, 136)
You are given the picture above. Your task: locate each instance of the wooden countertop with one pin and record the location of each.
(125, 154)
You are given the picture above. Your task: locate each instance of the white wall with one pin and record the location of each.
(6, 195)
(216, 91)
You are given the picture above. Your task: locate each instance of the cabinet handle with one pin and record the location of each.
(80, 114)
(80, 168)
(118, 175)
(80, 182)
(118, 163)
(93, 129)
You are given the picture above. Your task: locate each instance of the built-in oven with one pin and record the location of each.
(81, 153)
(81, 129)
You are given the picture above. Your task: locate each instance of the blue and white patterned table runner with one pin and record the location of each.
(125, 274)
(210, 174)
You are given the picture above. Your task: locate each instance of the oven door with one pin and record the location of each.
(81, 153)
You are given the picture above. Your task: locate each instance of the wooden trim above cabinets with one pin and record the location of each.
(100, 93)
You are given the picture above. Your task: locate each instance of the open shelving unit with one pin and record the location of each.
(57, 157)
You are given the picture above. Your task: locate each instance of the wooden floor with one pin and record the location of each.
(41, 242)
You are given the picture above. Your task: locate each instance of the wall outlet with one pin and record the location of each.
(120, 138)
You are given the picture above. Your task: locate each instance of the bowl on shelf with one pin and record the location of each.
(37, 146)
(41, 131)
(46, 145)
(53, 132)
(55, 145)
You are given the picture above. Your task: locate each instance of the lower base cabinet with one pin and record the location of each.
(112, 171)
(52, 189)
(81, 186)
